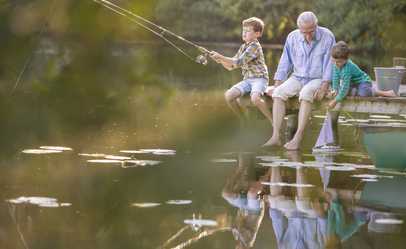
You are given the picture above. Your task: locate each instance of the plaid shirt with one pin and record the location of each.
(251, 60)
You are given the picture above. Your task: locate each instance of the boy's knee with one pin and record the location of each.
(365, 93)
(255, 98)
(229, 96)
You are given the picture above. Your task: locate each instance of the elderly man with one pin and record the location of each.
(307, 54)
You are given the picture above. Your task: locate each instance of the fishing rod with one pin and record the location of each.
(201, 59)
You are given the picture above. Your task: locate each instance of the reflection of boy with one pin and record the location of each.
(250, 210)
(349, 78)
(250, 59)
(338, 225)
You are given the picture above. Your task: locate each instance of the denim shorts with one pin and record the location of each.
(364, 89)
(252, 85)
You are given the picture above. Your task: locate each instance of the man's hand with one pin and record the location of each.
(321, 92)
(332, 104)
(269, 90)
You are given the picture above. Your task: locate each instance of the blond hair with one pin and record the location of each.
(254, 22)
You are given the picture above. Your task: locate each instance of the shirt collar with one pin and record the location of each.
(248, 43)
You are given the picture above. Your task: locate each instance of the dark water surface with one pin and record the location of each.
(214, 172)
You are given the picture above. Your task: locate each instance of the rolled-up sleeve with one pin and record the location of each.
(285, 63)
(327, 62)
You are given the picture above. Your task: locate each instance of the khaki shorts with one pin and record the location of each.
(289, 206)
(292, 87)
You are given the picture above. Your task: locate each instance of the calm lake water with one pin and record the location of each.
(154, 159)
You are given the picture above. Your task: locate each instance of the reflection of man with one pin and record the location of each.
(298, 222)
(241, 192)
(307, 54)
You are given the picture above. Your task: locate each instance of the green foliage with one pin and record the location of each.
(365, 25)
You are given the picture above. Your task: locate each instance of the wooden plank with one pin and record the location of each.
(378, 105)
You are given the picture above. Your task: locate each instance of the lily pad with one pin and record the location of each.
(39, 201)
(179, 202)
(201, 222)
(61, 148)
(146, 204)
(40, 151)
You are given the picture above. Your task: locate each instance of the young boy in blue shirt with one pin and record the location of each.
(348, 78)
(250, 58)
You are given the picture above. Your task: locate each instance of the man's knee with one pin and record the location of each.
(307, 95)
(279, 93)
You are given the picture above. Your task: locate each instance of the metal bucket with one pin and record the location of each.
(389, 78)
(400, 62)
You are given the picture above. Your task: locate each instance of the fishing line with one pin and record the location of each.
(28, 61)
(201, 59)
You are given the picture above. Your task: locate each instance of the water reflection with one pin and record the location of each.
(310, 207)
(242, 191)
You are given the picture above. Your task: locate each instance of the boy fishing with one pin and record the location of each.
(250, 58)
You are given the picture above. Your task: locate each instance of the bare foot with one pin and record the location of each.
(273, 141)
(391, 93)
(292, 145)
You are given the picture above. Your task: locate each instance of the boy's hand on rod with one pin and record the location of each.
(215, 56)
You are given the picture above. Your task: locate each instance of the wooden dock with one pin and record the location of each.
(378, 105)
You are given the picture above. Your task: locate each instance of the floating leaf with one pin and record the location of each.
(39, 201)
(160, 151)
(270, 158)
(105, 161)
(389, 221)
(40, 151)
(133, 151)
(136, 163)
(340, 168)
(285, 184)
(146, 204)
(117, 157)
(380, 116)
(201, 222)
(92, 155)
(61, 148)
(179, 202)
(369, 180)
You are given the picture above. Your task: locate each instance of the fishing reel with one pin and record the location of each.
(202, 59)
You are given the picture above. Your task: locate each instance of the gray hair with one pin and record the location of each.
(307, 17)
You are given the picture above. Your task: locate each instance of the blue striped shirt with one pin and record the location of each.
(307, 61)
